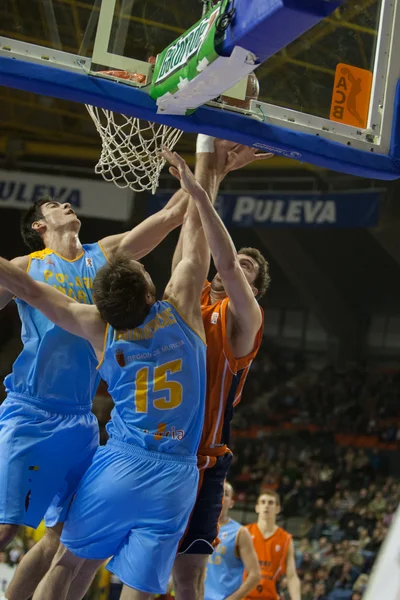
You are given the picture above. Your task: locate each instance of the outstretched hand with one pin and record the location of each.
(181, 171)
(236, 156)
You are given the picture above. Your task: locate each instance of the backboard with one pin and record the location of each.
(329, 97)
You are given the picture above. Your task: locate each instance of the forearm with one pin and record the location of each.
(151, 232)
(210, 179)
(218, 238)
(17, 282)
(294, 587)
(251, 581)
(5, 297)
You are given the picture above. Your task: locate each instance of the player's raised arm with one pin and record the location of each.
(214, 160)
(5, 295)
(143, 238)
(243, 304)
(187, 280)
(79, 319)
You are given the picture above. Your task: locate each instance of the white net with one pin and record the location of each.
(131, 149)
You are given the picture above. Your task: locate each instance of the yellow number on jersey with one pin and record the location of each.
(161, 384)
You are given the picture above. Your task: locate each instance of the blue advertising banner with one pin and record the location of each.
(316, 210)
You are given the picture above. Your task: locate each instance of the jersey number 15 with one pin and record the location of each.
(161, 383)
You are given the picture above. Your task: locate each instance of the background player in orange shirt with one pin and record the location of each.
(275, 551)
(233, 322)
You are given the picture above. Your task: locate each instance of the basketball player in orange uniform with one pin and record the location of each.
(233, 322)
(275, 551)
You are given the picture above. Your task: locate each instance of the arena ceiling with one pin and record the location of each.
(298, 77)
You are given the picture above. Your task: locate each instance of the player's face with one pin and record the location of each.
(250, 269)
(228, 502)
(266, 506)
(59, 216)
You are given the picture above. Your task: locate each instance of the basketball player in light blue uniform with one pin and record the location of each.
(134, 501)
(48, 435)
(234, 554)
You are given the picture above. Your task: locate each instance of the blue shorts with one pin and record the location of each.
(42, 454)
(134, 505)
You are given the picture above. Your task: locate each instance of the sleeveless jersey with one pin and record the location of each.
(226, 375)
(272, 554)
(57, 370)
(224, 568)
(156, 376)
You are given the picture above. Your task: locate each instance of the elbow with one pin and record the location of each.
(255, 575)
(227, 267)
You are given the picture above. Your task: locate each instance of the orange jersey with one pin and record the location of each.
(225, 375)
(272, 555)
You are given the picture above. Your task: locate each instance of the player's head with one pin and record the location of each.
(268, 505)
(44, 217)
(123, 292)
(229, 501)
(255, 269)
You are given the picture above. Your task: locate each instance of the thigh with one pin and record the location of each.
(58, 510)
(38, 450)
(30, 465)
(202, 531)
(145, 559)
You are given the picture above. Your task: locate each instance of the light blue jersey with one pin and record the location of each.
(135, 499)
(48, 435)
(156, 375)
(224, 569)
(55, 369)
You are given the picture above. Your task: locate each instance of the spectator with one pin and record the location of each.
(320, 591)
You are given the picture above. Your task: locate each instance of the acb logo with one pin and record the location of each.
(350, 97)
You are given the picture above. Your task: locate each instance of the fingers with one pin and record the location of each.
(173, 158)
(262, 155)
(174, 171)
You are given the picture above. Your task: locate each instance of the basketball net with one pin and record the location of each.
(131, 148)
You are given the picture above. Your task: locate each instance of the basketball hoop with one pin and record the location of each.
(131, 148)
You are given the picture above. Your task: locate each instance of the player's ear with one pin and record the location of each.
(39, 226)
(278, 509)
(255, 290)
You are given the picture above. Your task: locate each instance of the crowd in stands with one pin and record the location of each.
(357, 399)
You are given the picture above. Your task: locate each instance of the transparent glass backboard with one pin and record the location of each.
(356, 46)
(300, 77)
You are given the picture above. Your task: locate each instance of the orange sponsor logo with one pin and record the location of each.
(351, 94)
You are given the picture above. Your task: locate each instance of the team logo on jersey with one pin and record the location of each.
(223, 536)
(277, 548)
(214, 318)
(89, 262)
(50, 262)
(120, 358)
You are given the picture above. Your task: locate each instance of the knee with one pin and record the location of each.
(50, 541)
(7, 533)
(64, 558)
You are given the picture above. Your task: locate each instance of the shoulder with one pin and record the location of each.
(40, 254)
(243, 534)
(21, 261)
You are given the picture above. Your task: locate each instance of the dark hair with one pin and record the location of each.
(32, 238)
(263, 279)
(120, 293)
